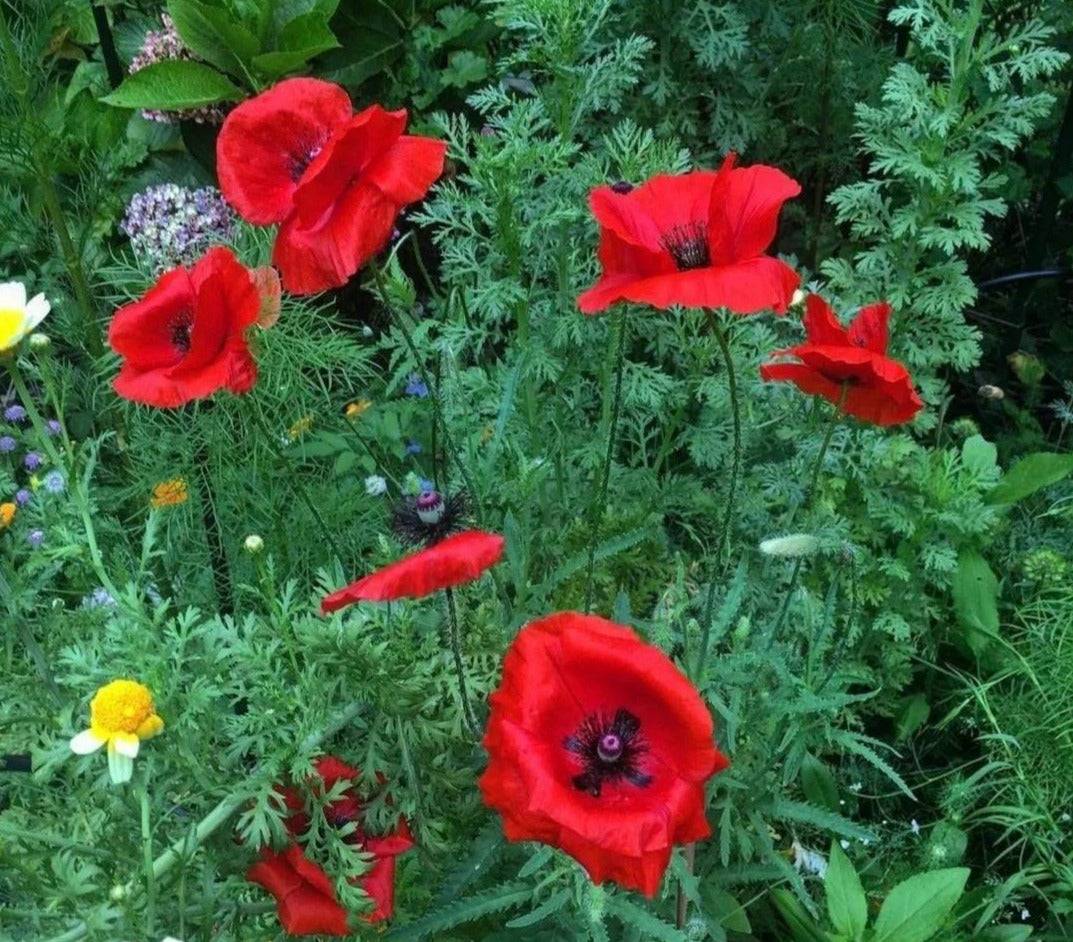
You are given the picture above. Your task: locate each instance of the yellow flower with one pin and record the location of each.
(121, 715)
(18, 317)
(169, 493)
(356, 408)
(7, 514)
(303, 425)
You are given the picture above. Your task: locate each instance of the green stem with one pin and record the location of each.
(460, 667)
(147, 858)
(732, 490)
(298, 489)
(596, 514)
(182, 849)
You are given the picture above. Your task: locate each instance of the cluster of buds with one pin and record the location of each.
(172, 225)
(160, 46)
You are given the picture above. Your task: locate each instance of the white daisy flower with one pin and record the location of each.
(19, 317)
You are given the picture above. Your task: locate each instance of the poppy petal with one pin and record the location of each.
(307, 912)
(135, 332)
(267, 143)
(744, 211)
(821, 323)
(406, 171)
(457, 559)
(644, 216)
(274, 873)
(869, 328)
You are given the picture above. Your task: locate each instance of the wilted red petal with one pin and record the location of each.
(267, 142)
(457, 559)
(563, 677)
(270, 290)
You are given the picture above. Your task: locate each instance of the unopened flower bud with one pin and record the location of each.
(991, 392)
(253, 544)
(798, 298)
(794, 544)
(39, 341)
(117, 893)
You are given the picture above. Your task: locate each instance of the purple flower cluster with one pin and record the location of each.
(172, 225)
(159, 46)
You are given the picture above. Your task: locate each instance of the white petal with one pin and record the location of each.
(12, 296)
(36, 311)
(86, 742)
(120, 767)
(127, 744)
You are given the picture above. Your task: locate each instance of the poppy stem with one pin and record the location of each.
(814, 477)
(460, 668)
(298, 489)
(732, 490)
(596, 514)
(682, 902)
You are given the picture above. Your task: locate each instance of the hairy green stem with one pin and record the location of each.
(147, 857)
(460, 667)
(732, 490)
(596, 513)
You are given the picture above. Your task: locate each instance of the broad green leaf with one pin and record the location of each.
(1005, 934)
(917, 908)
(801, 925)
(214, 34)
(978, 454)
(173, 85)
(1030, 474)
(724, 908)
(975, 591)
(846, 902)
(912, 714)
(818, 783)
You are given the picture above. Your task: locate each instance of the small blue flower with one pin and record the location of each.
(22, 497)
(54, 482)
(99, 598)
(32, 460)
(36, 538)
(416, 387)
(427, 485)
(15, 413)
(413, 448)
(7, 444)
(54, 427)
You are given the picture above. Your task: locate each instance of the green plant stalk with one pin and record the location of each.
(460, 667)
(596, 513)
(298, 489)
(732, 491)
(217, 818)
(147, 857)
(76, 484)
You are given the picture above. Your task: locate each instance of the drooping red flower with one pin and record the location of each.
(849, 367)
(306, 900)
(696, 239)
(454, 560)
(185, 338)
(599, 746)
(336, 181)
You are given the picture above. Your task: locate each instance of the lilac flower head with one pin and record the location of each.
(35, 538)
(416, 387)
(171, 225)
(54, 427)
(99, 598)
(23, 497)
(32, 460)
(54, 482)
(160, 46)
(15, 413)
(7, 444)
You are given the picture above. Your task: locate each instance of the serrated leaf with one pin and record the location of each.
(818, 783)
(650, 927)
(173, 85)
(551, 905)
(917, 908)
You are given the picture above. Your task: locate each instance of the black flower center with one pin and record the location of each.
(609, 750)
(688, 245)
(622, 187)
(429, 517)
(303, 157)
(180, 332)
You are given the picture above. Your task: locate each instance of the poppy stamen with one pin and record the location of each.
(688, 245)
(301, 160)
(610, 750)
(180, 333)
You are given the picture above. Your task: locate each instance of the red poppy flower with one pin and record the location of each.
(456, 559)
(697, 240)
(849, 367)
(600, 746)
(306, 899)
(298, 155)
(185, 338)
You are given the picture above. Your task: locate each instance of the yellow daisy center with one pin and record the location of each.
(120, 707)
